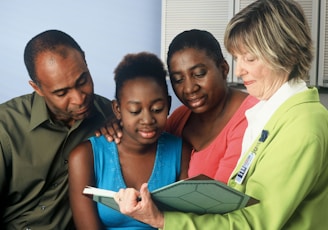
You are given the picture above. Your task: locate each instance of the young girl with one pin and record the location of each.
(145, 154)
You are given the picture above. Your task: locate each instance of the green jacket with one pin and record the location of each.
(289, 174)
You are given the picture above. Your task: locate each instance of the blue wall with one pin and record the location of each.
(105, 29)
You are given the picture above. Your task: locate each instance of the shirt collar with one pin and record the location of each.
(265, 108)
(258, 115)
(39, 111)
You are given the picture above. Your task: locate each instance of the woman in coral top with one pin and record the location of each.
(212, 117)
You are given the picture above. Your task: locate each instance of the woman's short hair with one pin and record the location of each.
(275, 31)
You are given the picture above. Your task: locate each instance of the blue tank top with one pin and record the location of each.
(108, 175)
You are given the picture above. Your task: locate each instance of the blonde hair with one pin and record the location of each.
(275, 31)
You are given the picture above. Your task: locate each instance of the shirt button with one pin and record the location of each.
(43, 207)
(65, 162)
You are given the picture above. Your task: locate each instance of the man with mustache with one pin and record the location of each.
(38, 131)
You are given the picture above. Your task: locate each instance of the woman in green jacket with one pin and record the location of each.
(286, 142)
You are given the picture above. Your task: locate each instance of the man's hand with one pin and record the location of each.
(112, 130)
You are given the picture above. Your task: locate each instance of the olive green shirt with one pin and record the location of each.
(33, 162)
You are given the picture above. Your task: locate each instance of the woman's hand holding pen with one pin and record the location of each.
(140, 206)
